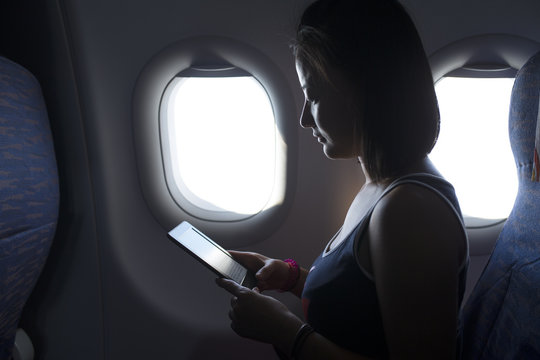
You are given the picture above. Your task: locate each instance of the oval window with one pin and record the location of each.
(219, 133)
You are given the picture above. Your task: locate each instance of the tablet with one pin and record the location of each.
(210, 254)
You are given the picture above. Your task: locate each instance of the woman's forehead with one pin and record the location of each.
(329, 77)
(306, 75)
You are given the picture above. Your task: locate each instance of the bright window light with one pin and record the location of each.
(222, 141)
(473, 151)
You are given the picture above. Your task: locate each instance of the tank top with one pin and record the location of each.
(339, 297)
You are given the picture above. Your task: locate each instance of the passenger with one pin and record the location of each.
(390, 283)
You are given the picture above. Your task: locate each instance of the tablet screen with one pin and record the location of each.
(209, 252)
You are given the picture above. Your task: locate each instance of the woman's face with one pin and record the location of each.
(329, 110)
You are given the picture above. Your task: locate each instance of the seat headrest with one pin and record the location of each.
(536, 165)
(524, 122)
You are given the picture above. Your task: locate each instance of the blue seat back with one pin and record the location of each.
(502, 315)
(29, 195)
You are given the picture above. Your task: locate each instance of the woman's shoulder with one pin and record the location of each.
(411, 217)
(414, 203)
(420, 191)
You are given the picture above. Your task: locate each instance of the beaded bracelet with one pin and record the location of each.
(301, 337)
(294, 275)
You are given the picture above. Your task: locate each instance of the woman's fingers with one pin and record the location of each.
(264, 273)
(232, 316)
(257, 316)
(270, 273)
(252, 261)
(231, 286)
(273, 275)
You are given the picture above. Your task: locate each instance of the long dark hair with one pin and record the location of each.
(376, 45)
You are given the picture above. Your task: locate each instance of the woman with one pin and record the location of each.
(391, 281)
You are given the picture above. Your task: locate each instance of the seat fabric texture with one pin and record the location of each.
(29, 195)
(502, 315)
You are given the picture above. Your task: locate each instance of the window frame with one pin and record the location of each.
(204, 52)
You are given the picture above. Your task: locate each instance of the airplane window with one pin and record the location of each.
(221, 140)
(473, 151)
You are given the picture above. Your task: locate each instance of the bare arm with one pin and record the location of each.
(416, 249)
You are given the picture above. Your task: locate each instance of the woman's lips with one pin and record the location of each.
(319, 137)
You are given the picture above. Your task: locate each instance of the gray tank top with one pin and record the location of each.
(339, 298)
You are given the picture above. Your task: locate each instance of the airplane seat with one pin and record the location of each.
(29, 195)
(502, 316)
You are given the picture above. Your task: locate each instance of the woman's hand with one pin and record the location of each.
(260, 317)
(263, 318)
(271, 274)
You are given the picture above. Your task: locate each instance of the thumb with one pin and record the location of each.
(264, 273)
(229, 285)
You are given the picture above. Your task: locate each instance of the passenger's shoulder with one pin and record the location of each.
(411, 199)
(416, 212)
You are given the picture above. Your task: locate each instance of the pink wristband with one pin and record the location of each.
(294, 275)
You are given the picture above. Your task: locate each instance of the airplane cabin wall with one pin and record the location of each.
(114, 286)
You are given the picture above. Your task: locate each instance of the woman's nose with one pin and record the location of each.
(306, 119)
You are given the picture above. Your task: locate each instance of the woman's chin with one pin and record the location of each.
(335, 154)
(332, 154)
